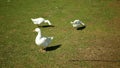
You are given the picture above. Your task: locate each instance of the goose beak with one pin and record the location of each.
(33, 30)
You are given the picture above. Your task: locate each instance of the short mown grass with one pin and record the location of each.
(17, 47)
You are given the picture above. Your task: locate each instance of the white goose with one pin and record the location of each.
(38, 21)
(77, 23)
(42, 41)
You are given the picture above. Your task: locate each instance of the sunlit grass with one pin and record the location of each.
(17, 47)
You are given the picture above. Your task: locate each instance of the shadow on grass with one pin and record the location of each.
(96, 60)
(53, 47)
(45, 26)
(81, 28)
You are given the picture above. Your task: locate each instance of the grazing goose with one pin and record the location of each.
(77, 23)
(42, 41)
(38, 21)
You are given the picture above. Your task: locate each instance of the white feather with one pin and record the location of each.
(77, 23)
(42, 41)
(40, 20)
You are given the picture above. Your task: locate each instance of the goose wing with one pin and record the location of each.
(47, 41)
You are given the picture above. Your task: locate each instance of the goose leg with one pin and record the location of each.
(42, 50)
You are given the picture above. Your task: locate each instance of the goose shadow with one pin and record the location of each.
(81, 28)
(52, 47)
(45, 26)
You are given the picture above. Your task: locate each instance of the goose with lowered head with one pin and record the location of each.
(77, 23)
(38, 21)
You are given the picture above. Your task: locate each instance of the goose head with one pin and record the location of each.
(37, 30)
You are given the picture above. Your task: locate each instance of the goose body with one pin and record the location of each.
(42, 41)
(77, 23)
(38, 21)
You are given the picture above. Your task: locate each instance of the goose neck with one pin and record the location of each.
(39, 34)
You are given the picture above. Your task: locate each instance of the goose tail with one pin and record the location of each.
(51, 38)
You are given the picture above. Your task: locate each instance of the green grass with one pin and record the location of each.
(17, 47)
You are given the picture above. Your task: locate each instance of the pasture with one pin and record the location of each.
(96, 46)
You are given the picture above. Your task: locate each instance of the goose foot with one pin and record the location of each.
(42, 50)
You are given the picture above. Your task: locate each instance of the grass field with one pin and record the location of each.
(96, 46)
